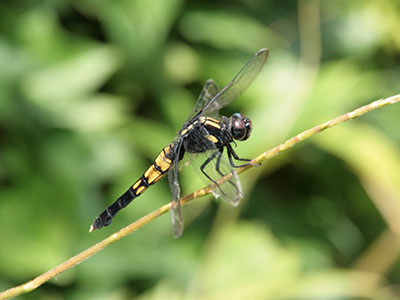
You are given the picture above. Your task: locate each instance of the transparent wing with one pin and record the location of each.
(238, 84)
(212, 165)
(176, 212)
(210, 89)
(217, 167)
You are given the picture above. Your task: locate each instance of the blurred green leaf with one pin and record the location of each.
(73, 78)
(226, 30)
(375, 159)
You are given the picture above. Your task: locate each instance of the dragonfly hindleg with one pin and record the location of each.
(218, 168)
(204, 165)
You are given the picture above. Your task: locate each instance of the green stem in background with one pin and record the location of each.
(38, 281)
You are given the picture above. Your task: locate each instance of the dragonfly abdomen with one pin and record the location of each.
(155, 172)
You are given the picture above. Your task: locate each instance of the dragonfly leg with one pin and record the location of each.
(202, 167)
(218, 164)
(232, 152)
(217, 167)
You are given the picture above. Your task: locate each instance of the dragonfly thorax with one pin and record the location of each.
(240, 127)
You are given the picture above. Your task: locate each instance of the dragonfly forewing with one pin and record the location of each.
(238, 84)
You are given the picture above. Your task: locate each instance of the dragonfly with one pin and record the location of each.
(206, 138)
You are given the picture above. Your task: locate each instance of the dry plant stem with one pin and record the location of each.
(38, 281)
(35, 283)
(316, 129)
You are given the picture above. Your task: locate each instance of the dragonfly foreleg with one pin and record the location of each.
(232, 152)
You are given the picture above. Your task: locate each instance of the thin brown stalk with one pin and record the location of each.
(38, 281)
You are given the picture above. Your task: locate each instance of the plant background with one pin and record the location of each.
(90, 92)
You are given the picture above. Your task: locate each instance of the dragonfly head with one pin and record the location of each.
(240, 127)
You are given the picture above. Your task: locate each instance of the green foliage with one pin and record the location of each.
(90, 92)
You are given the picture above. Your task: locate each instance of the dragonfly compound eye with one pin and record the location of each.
(241, 127)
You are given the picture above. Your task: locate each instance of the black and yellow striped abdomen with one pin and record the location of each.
(155, 172)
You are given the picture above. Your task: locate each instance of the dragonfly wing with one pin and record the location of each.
(238, 84)
(209, 91)
(176, 212)
(216, 167)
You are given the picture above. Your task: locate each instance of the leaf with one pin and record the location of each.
(73, 78)
(374, 158)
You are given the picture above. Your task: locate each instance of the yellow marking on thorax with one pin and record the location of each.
(212, 138)
(185, 131)
(210, 122)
